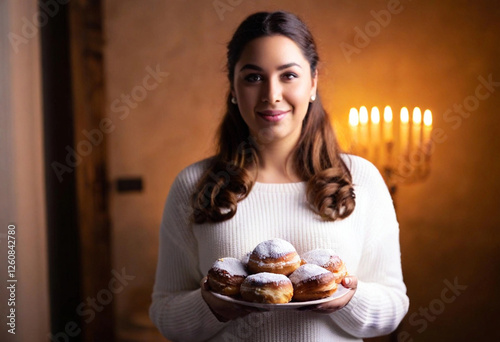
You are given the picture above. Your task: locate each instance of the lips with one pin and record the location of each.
(273, 115)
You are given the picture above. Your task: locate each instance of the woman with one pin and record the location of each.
(278, 172)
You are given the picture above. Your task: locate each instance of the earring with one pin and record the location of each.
(233, 100)
(313, 97)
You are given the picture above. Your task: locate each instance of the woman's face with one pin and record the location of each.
(273, 87)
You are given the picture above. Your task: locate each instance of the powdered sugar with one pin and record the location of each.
(274, 248)
(265, 278)
(245, 258)
(307, 271)
(232, 266)
(322, 257)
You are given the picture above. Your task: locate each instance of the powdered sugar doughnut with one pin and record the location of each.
(274, 256)
(270, 288)
(327, 258)
(226, 275)
(244, 259)
(311, 282)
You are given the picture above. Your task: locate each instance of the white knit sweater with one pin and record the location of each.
(367, 241)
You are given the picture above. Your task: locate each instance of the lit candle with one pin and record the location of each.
(404, 130)
(387, 145)
(354, 123)
(388, 124)
(363, 120)
(375, 125)
(416, 125)
(375, 134)
(427, 126)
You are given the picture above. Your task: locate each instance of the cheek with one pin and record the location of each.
(299, 96)
(245, 106)
(246, 96)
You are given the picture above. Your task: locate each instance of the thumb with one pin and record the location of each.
(204, 284)
(350, 282)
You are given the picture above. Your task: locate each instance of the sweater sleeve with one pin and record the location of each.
(380, 301)
(178, 309)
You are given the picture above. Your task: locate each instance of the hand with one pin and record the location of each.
(350, 282)
(223, 310)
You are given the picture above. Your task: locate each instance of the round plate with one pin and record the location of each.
(341, 291)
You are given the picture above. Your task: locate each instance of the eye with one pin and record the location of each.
(290, 76)
(252, 78)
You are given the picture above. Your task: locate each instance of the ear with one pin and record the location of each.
(314, 83)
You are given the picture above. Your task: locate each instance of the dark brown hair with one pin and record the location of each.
(316, 157)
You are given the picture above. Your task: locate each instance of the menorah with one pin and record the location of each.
(399, 147)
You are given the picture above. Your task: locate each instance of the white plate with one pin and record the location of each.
(341, 291)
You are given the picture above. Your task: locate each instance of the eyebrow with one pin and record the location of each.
(281, 67)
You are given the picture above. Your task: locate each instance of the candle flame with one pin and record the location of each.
(375, 115)
(427, 118)
(387, 114)
(417, 116)
(353, 117)
(363, 115)
(405, 115)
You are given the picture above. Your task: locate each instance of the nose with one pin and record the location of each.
(272, 91)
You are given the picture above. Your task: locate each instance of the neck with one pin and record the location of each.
(275, 164)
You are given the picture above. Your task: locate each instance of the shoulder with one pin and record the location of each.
(184, 185)
(194, 170)
(363, 172)
(188, 177)
(369, 185)
(359, 167)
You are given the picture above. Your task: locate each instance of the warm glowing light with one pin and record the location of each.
(405, 115)
(353, 117)
(375, 115)
(427, 118)
(387, 114)
(417, 116)
(398, 141)
(387, 126)
(363, 115)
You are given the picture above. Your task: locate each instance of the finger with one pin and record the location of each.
(350, 282)
(204, 284)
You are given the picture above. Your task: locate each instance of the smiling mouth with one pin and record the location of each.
(273, 115)
(273, 112)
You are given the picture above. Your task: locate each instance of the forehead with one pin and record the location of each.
(272, 52)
